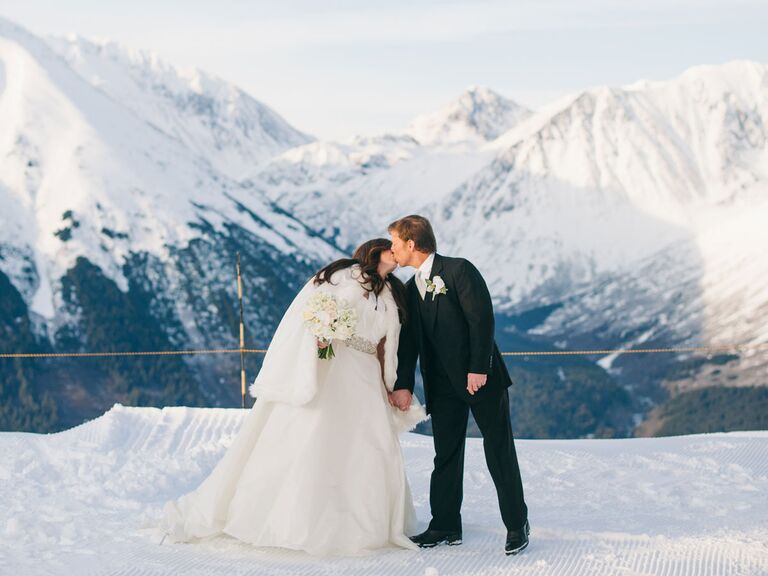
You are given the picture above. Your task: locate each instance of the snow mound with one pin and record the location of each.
(83, 501)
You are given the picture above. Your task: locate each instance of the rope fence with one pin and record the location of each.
(679, 350)
(140, 353)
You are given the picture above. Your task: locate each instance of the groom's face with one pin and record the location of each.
(401, 250)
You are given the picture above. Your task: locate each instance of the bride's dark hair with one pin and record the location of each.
(368, 256)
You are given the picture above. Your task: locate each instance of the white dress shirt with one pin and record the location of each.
(422, 273)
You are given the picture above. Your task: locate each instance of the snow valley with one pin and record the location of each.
(616, 217)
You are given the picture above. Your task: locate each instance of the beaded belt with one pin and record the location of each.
(361, 344)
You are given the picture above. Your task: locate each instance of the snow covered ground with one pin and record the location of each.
(80, 502)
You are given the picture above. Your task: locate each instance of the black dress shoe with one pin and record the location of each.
(432, 538)
(517, 540)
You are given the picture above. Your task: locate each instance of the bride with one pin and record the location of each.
(316, 465)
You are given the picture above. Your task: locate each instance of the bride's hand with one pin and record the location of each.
(322, 343)
(401, 399)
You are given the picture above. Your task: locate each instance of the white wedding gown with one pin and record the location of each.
(316, 465)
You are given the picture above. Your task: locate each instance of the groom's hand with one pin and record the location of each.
(401, 399)
(475, 382)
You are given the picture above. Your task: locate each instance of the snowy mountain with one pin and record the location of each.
(615, 217)
(214, 119)
(115, 216)
(86, 500)
(479, 115)
(638, 212)
(351, 190)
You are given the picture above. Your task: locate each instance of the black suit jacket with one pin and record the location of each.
(455, 338)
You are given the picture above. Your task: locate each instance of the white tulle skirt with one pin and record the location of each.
(326, 477)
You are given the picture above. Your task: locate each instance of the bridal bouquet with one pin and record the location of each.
(328, 318)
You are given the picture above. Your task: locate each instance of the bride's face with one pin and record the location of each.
(386, 262)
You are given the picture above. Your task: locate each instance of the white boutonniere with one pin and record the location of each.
(436, 286)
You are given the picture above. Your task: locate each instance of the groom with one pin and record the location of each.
(450, 328)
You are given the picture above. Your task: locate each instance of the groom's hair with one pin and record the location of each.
(416, 228)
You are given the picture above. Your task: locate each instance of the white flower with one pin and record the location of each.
(436, 286)
(327, 319)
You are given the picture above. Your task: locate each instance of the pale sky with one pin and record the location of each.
(338, 68)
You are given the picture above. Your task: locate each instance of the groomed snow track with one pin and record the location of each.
(83, 501)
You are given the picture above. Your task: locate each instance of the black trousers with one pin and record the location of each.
(449, 428)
